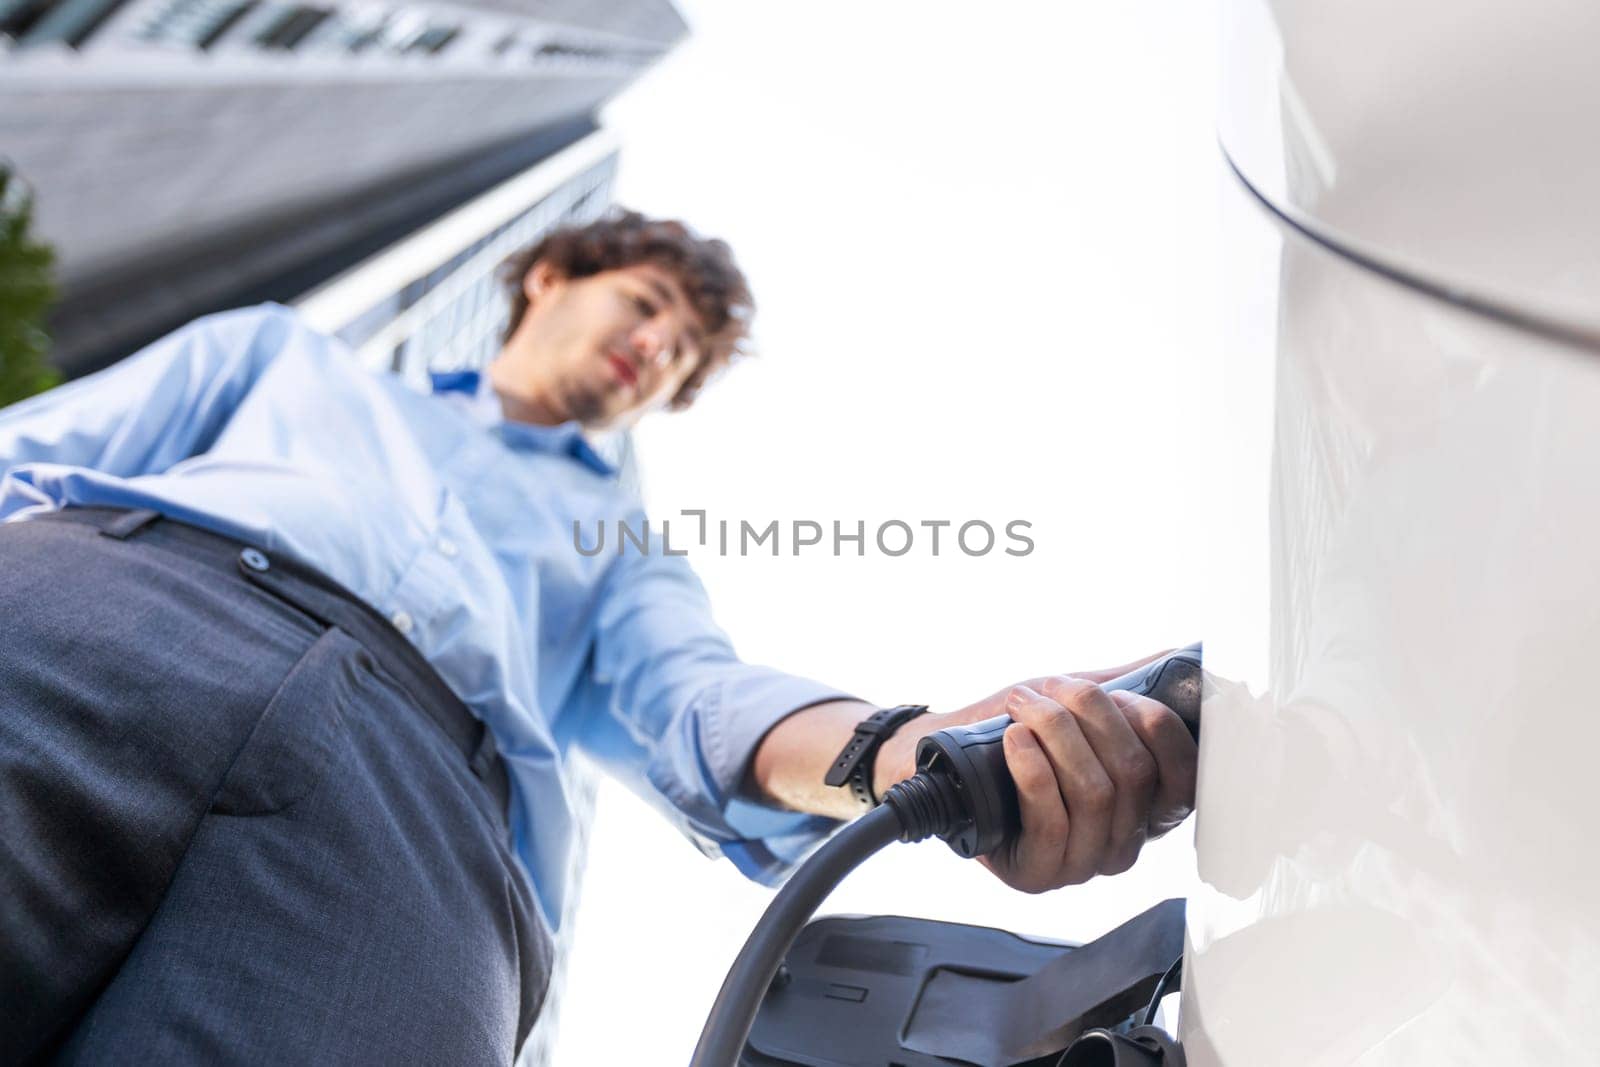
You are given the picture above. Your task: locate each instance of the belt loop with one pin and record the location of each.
(483, 756)
(129, 523)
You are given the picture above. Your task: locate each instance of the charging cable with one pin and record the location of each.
(962, 792)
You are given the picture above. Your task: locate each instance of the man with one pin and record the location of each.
(293, 657)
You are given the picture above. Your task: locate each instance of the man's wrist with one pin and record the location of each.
(897, 756)
(854, 770)
(790, 761)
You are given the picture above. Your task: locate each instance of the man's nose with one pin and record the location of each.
(651, 342)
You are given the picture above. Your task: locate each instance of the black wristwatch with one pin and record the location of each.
(854, 766)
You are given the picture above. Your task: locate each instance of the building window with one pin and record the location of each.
(228, 20)
(291, 27)
(17, 17)
(351, 32)
(70, 22)
(434, 39)
(194, 23)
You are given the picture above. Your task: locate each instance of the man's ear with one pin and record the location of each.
(539, 279)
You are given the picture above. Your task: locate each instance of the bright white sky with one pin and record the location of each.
(984, 241)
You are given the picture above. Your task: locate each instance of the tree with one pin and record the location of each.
(27, 290)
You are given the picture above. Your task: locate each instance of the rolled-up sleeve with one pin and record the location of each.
(676, 715)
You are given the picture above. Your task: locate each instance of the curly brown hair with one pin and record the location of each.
(713, 283)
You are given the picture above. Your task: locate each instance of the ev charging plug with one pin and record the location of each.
(962, 791)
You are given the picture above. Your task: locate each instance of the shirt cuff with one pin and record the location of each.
(743, 710)
(730, 718)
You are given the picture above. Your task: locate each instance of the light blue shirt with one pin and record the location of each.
(458, 526)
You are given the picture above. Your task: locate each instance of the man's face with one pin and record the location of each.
(607, 347)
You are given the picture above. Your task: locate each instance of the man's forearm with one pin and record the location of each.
(1123, 765)
(793, 758)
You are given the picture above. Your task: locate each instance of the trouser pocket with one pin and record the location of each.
(296, 741)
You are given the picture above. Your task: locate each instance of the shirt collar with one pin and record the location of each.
(471, 389)
(564, 440)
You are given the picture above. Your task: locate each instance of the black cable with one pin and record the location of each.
(963, 792)
(728, 1026)
(1162, 987)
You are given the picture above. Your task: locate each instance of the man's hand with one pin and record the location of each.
(1097, 774)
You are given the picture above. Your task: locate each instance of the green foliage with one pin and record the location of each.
(26, 293)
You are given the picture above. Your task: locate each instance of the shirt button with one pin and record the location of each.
(402, 622)
(447, 548)
(254, 559)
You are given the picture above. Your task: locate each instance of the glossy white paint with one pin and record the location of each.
(1401, 728)
(1453, 139)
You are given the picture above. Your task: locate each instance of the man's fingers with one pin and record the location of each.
(1126, 762)
(1085, 788)
(1168, 741)
(1035, 861)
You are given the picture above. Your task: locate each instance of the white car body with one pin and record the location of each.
(1401, 725)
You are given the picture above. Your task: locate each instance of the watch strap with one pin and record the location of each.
(854, 765)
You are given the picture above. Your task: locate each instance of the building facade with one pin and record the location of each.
(187, 155)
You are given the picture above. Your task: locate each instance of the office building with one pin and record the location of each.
(187, 155)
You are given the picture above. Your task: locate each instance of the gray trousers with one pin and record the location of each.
(241, 820)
